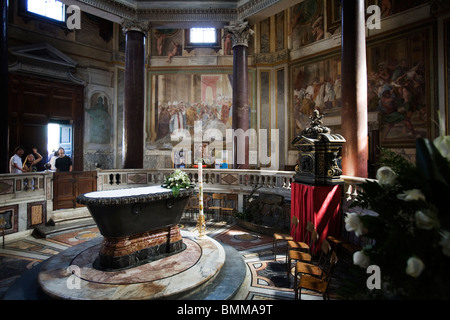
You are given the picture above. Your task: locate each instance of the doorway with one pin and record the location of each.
(60, 135)
(36, 102)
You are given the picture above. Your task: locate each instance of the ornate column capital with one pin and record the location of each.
(240, 32)
(135, 25)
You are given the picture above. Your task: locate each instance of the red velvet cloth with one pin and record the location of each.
(319, 204)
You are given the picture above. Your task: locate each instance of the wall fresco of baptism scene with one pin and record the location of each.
(182, 101)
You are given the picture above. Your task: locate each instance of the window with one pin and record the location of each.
(51, 9)
(203, 35)
(202, 38)
(47, 10)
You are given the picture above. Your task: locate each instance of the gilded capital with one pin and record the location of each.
(135, 25)
(240, 32)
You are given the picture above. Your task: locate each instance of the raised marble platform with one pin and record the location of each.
(204, 270)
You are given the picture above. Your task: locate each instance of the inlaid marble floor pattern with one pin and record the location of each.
(268, 273)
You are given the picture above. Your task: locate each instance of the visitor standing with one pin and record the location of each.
(15, 163)
(63, 163)
(53, 157)
(30, 162)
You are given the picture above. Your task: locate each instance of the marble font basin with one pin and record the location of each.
(138, 224)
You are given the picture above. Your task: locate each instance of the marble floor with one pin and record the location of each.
(268, 272)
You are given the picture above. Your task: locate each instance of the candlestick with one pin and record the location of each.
(200, 187)
(201, 226)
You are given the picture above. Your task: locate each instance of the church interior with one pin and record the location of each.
(279, 113)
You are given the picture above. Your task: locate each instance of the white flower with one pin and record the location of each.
(424, 221)
(411, 195)
(367, 212)
(361, 259)
(414, 267)
(445, 243)
(386, 176)
(353, 223)
(442, 143)
(178, 179)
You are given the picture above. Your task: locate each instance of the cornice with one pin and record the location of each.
(252, 7)
(127, 10)
(117, 8)
(158, 15)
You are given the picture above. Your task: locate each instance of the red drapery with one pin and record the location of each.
(319, 204)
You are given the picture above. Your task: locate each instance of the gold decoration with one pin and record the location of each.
(201, 226)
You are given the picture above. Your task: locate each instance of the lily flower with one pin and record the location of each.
(353, 223)
(411, 195)
(442, 143)
(386, 176)
(414, 267)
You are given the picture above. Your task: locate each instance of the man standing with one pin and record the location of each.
(15, 163)
(178, 120)
(63, 163)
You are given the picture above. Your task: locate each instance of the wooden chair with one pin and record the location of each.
(192, 206)
(345, 246)
(316, 270)
(195, 206)
(284, 236)
(315, 284)
(229, 203)
(301, 255)
(303, 245)
(216, 204)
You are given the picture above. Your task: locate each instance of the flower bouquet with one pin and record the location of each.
(177, 180)
(404, 216)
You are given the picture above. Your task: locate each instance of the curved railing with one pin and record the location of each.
(277, 181)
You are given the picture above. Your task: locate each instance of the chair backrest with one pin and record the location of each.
(324, 255)
(294, 225)
(310, 227)
(313, 240)
(217, 200)
(217, 196)
(230, 201)
(333, 262)
(325, 246)
(193, 201)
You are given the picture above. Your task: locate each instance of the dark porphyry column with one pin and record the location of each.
(134, 91)
(354, 89)
(4, 131)
(240, 34)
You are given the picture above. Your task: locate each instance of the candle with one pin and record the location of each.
(200, 188)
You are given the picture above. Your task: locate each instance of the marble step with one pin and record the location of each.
(45, 231)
